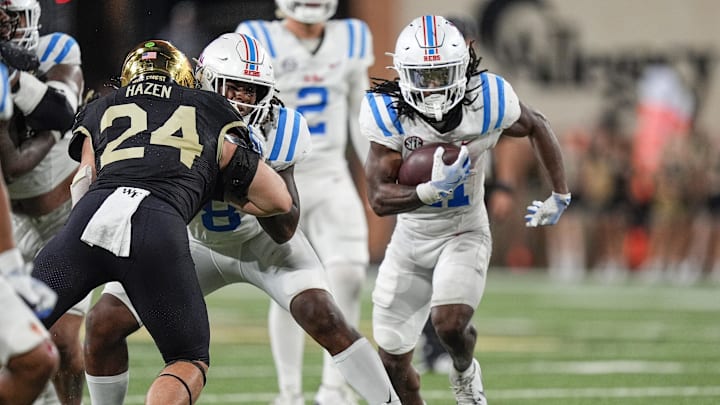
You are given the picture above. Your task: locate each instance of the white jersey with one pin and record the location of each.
(285, 140)
(53, 49)
(495, 107)
(442, 250)
(318, 84)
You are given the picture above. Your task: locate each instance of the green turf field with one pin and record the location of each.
(539, 343)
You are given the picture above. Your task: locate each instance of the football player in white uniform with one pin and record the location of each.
(229, 246)
(46, 101)
(437, 260)
(321, 71)
(28, 357)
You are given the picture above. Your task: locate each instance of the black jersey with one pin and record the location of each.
(158, 136)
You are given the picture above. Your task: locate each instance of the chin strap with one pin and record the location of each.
(434, 104)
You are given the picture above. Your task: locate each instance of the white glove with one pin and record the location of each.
(547, 212)
(38, 296)
(444, 178)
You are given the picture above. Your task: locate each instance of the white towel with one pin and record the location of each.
(109, 227)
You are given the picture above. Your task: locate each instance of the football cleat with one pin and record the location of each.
(468, 390)
(342, 395)
(289, 399)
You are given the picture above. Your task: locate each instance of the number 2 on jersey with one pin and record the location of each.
(182, 119)
(313, 100)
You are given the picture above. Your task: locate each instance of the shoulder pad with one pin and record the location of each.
(58, 48)
(288, 138)
(359, 39)
(384, 114)
(500, 105)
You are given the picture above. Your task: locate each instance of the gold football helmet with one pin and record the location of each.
(158, 57)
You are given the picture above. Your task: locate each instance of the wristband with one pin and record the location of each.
(10, 260)
(31, 90)
(427, 193)
(564, 197)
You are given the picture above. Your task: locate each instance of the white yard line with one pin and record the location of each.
(530, 394)
(535, 367)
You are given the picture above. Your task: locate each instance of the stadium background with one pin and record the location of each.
(575, 60)
(578, 61)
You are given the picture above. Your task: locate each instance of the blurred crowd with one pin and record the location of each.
(646, 195)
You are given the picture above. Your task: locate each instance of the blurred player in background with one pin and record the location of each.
(321, 71)
(28, 358)
(229, 247)
(159, 148)
(46, 100)
(437, 260)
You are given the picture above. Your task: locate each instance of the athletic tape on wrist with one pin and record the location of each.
(427, 193)
(29, 94)
(69, 93)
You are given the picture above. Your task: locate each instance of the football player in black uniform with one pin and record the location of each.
(151, 153)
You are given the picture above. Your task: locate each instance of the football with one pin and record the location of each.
(417, 166)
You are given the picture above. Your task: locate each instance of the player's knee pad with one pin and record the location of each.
(392, 340)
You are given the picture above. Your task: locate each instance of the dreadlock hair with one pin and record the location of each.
(392, 87)
(270, 117)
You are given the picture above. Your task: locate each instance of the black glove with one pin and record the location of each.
(17, 57)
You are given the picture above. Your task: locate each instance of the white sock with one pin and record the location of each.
(346, 283)
(363, 370)
(287, 340)
(108, 390)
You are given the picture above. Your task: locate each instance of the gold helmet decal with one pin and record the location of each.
(158, 57)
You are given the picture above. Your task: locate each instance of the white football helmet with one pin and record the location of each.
(238, 57)
(29, 10)
(431, 57)
(308, 11)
